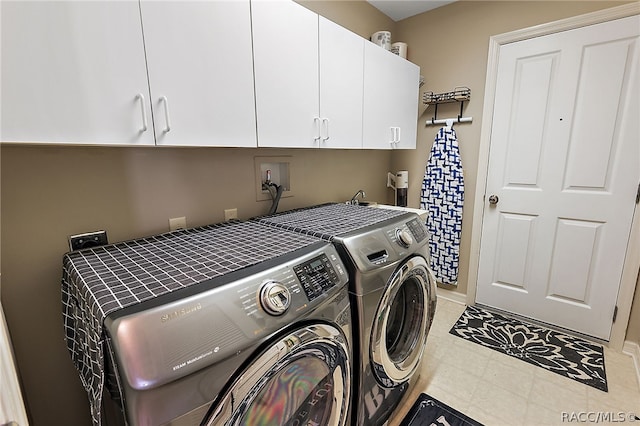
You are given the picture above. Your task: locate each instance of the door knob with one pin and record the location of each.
(493, 200)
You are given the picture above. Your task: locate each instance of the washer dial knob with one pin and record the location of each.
(404, 238)
(275, 298)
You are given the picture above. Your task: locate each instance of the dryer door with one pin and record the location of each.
(402, 322)
(304, 378)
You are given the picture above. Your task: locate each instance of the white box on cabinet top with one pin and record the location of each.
(391, 91)
(74, 72)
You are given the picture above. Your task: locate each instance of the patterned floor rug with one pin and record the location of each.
(429, 411)
(566, 355)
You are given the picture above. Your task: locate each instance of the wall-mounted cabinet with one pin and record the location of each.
(391, 86)
(182, 74)
(285, 43)
(341, 74)
(200, 72)
(74, 72)
(308, 74)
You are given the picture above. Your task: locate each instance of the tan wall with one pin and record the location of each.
(357, 16)
(450, 44)
(49, 193)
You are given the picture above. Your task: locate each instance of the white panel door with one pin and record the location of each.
(341, 73)
(74, 72)
(565, 166)
(200, 72)
(391, 87)
(285, 43)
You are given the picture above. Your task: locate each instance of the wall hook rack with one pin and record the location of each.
(459, 94)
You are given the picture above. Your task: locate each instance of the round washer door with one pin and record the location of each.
(304, 378)
(402, 322)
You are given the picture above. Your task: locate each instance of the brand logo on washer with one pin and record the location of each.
(180, 313)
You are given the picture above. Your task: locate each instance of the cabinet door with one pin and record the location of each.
(391, 86)
(405, 95)
(285, 43)
(74, 72)
(200, 72)
(341, 74)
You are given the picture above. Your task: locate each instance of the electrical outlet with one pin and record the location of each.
(177, 223)
(230, 214)
(90, 239)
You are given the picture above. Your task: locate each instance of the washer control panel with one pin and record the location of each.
(293, 286)
(316, 275)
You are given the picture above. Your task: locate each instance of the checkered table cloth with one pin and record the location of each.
(328, 221)
(101, 280)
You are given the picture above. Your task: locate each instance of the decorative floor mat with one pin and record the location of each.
(557, 352)
(430, 411)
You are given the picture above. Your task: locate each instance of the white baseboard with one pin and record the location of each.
(633, 349)
(452, 296)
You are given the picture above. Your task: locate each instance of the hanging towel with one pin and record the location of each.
(443, 196)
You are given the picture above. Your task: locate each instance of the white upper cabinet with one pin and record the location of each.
(341, 73)
(285, 43)
(308, 73)
(391, 87)
(74, 72)
(181, 73)
(200, 72)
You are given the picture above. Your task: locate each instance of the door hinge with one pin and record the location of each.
(638, 195)
(615, 313)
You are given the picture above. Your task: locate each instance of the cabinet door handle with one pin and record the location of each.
(395, 136)
(316, 122)
(165, 101)
(325, 122)
(140, 97)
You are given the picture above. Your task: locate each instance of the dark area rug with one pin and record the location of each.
(430, 411)
(560, 353)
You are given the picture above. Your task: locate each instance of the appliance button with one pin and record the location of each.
(275, 298)
(404, 238)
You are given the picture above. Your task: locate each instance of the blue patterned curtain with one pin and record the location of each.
(443, 196)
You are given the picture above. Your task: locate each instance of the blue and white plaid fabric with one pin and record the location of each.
(443, 196)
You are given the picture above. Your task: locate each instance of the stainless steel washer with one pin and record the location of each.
(268, 339)
(393, 295)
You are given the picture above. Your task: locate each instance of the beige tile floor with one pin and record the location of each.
(496, 389)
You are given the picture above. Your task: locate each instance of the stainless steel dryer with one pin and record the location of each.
(269, 339)
(393, 295)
